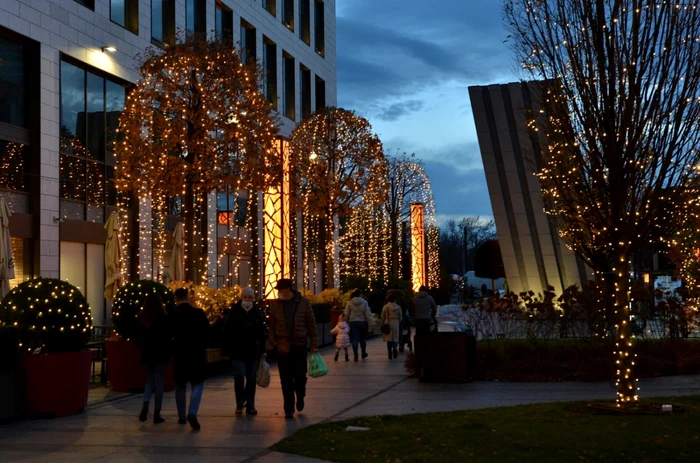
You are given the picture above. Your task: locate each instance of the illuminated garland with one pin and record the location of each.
(195, 123)
(50, 315)
(338, 163)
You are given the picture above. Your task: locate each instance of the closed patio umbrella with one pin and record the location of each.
(113, 254)
(177, 259)
(7, 262)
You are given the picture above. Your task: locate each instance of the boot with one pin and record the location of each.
(388, 348)
(336, 355)
(157, 419)
(396, 353)
(143, 416)
(347, 357)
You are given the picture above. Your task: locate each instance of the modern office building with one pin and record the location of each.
(534, 256)
(65, 70)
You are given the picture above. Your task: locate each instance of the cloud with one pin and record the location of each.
(395, 111)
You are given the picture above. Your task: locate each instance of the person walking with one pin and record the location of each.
(291, 325)
(244, 342)
(359, 317)
(424, 311)
(391, 315)
(342, 337)
(406, 324)
(191, 339)
(154, 339)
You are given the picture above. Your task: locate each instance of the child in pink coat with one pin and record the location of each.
(342, 339)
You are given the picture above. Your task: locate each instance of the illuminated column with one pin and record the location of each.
(417, 246)
(276, 228)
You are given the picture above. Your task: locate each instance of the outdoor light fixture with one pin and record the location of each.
(110, 49)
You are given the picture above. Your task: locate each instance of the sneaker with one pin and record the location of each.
(182, 421)
(251, 411)
(194, 423)
(300, 404)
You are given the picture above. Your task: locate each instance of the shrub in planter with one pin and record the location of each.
(53, 324)
(128, 303)
(124, 357)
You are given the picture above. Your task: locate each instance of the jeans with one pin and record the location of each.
(155, 380)
(292, 368)
(181, 399)
(358, 335)
(244, 378)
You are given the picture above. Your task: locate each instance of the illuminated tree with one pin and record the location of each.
(620, 108)
(196, 123)
(339, 163)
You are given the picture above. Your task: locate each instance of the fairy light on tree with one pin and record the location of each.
(620, 100)
(339, 163)
(195, 123)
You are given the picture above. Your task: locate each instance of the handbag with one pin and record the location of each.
(262, 378)
(385, 328)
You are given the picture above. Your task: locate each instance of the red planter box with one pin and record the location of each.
(57, 384)
(125, 370)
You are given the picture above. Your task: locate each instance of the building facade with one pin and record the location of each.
(66, 67)
(534, 256)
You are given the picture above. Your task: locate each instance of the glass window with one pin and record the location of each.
(289, 87)
(196, 12)
(320, 93)
(13, 159)
(305, 77)
(90, 110)
(163, 21)
(248, 41)
(11, 82)
(125, 13)
(231, 209)
(305, 21)
(319, 27)
(288, 14)
(270, 68)
(224, 22)
(87, 3)
(270, 6)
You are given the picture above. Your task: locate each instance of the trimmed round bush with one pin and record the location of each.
(50, 315)
(129, 301)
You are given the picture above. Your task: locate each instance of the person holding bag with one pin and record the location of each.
(292, 325)
(244, 342)
(391, 322)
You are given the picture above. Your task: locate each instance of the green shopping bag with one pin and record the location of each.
(317, 367)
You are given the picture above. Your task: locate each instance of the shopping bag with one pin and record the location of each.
(317, 367)
(262, 378)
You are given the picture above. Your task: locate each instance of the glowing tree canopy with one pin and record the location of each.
(339, 163)
(620, 107)
(195, 123)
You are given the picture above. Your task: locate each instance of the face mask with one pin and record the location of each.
(247, 305)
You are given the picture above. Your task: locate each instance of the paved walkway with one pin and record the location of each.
(110, 431)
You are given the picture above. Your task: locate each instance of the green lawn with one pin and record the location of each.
(529, 433)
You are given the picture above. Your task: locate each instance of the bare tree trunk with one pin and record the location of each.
(193, 251)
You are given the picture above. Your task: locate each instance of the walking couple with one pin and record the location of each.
(353, 326)
(182, 333)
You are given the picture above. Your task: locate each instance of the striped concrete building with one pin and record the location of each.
(533, 254)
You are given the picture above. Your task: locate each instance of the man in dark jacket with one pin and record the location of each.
(191, 339)
(424, 311)
(291, 325)
(244, 342)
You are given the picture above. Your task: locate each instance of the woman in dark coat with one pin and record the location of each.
(154, 338)
(244, 342)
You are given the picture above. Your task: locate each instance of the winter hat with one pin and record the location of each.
(249, 291)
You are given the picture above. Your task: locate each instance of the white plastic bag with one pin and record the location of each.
(262, 378)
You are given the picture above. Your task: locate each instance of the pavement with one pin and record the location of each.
(109, 430)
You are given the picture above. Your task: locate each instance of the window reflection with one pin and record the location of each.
(12, 162)
(11, 82)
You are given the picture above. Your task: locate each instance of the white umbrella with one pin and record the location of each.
(7, 262)
(177, 259)
(113, 254)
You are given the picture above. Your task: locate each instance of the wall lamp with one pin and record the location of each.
(110, 49)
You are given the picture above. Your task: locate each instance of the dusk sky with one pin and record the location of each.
(406, 66)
